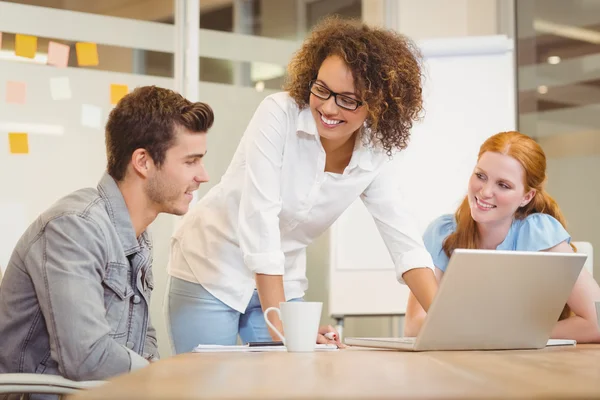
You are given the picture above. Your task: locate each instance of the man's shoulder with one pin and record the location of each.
(85, 203)
(82, 215)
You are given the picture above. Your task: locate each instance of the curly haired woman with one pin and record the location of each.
(352, 95)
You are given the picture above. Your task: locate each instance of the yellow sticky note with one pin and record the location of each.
(117, 92)
(0, 40)
(25, 46)
(87, 54)
(18, 143)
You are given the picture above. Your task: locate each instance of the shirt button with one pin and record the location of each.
(136, 299)
(129, 345)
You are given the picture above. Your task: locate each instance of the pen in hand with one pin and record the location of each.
(333, 336)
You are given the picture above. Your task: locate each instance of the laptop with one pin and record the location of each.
(493, 300)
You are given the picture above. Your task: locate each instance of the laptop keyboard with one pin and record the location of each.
(404, 340)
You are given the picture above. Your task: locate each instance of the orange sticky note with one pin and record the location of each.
(58, 54)
(87, 54)
(18, 143)
(25, 46)
(117, 92)
(16, 92)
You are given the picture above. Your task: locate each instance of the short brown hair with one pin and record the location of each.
(387, 74)
(146, 118)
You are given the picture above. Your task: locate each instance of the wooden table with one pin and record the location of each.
(355, 373)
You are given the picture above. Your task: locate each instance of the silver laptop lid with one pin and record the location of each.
(490, 299)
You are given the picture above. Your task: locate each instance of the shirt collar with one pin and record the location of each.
(119, 216)
(306, 123)
(362, 155)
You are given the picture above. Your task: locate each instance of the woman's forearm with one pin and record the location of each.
(271, 293)
(577, 328)
(413, 324)
(423, 285)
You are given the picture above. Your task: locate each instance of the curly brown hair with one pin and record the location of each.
(387, 75)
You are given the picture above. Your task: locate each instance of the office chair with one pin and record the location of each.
(38, 383)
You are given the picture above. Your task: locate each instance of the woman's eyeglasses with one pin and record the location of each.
(345, 102)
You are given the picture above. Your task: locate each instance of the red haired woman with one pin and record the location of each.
(507, 208)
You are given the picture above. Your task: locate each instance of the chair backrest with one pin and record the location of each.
(586, 248)
(21, 383)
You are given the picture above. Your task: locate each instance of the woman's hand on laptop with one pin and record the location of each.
(328, 335)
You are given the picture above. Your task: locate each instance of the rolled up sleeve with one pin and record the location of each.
(260, 203)
(396, 224)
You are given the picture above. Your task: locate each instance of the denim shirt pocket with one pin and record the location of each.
(117, 294)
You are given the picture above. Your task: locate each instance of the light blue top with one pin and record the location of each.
(535, 233)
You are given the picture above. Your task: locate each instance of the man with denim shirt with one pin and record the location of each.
(76, 294)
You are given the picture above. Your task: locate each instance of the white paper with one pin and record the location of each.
(214, 348)
(60, 88)
(91, 116)
(14, 223)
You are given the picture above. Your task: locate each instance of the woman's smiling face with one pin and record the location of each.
(336, 123)
(497, 188)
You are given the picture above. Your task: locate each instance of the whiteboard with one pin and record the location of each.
(469, 95)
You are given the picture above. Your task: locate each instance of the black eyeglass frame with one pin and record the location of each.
(335, 95)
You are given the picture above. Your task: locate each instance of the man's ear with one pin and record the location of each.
(528, 197)
(141, 162)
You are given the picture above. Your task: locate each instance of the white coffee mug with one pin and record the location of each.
(300, 323)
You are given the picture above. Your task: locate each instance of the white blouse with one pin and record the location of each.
(275, 199)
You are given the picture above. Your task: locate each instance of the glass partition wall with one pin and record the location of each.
(558, 57)
(65, 63)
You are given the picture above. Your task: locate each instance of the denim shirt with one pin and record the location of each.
(75, 297)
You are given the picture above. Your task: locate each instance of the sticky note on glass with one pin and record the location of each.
(117, 92)
(91, 116)
(16, 92)
(25, 46)
(60, 88)
(58, 54)
(18, 143)
(87, 54)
